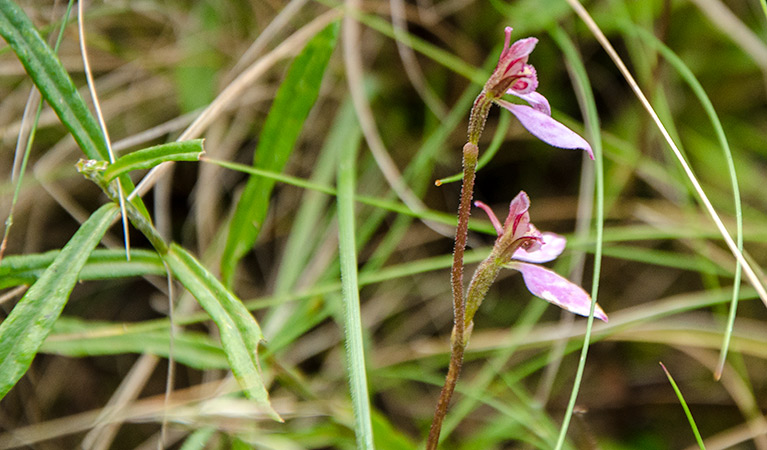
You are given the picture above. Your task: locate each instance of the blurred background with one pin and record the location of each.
(666, 276)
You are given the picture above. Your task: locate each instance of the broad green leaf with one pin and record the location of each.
(102, 264)
(153, 156)
(240, 333)
(295, 98)
(77, 338)
(31, 319)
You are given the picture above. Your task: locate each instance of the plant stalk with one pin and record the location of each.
(470, 152)
(458, 340)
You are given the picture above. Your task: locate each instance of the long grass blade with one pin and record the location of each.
(686, 408)
(696, 87)
(355, 353)
(586, 97)
(30, 321)
(708, 207)
(295, 98)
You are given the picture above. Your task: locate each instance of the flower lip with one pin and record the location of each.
(542, 126)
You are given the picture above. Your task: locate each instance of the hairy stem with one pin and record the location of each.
(470, 152)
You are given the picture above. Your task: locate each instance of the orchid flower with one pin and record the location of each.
(513, 75)
(519, 244)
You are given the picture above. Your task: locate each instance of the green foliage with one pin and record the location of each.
(310, 211)
(101, 265)
(52, 80)
(77, 338)
(295, 98)
(240, 334)
(153, 156)
(30, 322)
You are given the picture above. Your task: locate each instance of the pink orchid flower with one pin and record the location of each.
(514, 76)
(532, 246)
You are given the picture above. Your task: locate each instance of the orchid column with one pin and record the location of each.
(517, 236)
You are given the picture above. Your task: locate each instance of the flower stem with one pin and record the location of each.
(470, 152)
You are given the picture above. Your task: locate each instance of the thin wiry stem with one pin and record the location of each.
(102, 123)
(470, 152)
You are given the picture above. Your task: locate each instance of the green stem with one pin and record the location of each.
(135, 215)
(486, 273)
(478, 117)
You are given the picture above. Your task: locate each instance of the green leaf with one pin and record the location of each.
(77, 338)
(46, 71)
(55, 85)
(31, 320)
(291, 106)
(153, 156)
(102, 264)
(240, 333)
(347, 251)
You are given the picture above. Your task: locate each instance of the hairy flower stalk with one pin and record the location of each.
(514, 76)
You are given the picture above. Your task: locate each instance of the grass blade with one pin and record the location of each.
(31, 320)
(240, 334)
(77, 338)
(355, 353)
(700, 93)
(295, 98)
(150, 157)
(685, 407)
(102, 264)
(586, 98)
(753, 278)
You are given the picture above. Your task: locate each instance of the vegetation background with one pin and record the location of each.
(408, 81)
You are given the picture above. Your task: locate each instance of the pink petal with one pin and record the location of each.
(513, 59)
(493, 219)
(523, 47)
(545, 128)
(551, 247)
(558, 290)
(518, 213)
(506, 42)
(535, 100)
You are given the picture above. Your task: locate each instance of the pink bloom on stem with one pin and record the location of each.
(537, 247)
(514, 76)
